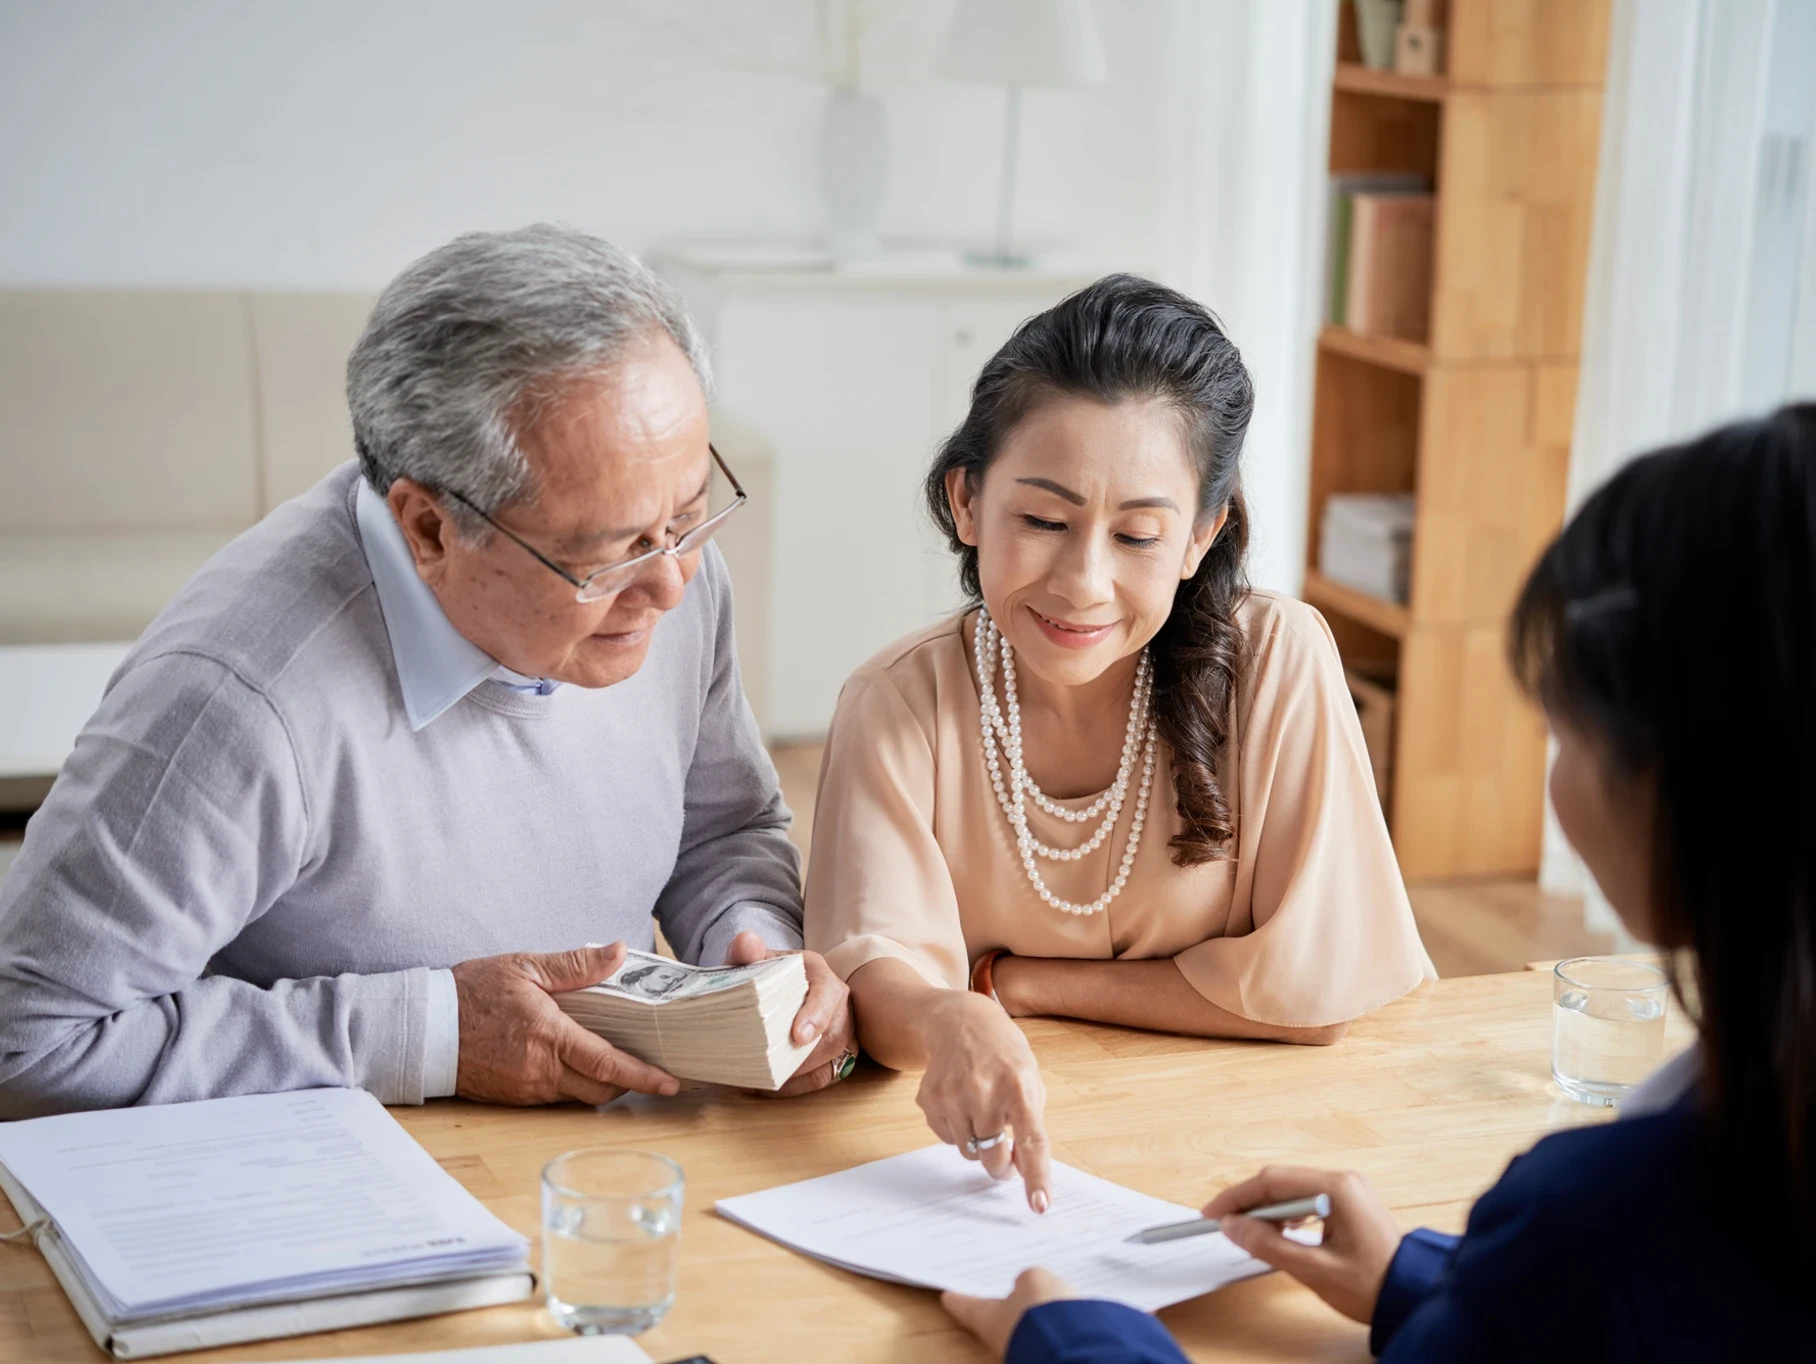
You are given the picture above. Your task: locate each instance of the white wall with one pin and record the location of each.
(325, 143)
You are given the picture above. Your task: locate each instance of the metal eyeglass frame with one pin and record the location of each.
(621, 575)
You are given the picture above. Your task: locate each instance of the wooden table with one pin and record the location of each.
(1429, 1098)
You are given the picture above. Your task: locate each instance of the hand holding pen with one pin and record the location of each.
(1346, 1270)
(1360, 1234)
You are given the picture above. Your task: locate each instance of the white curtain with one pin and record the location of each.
(1701, 301)
(1250, 143)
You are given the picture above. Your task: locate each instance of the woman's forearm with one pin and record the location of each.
(897, 1011)
(1133, 994)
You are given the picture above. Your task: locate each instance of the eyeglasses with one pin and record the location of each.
(616, 577)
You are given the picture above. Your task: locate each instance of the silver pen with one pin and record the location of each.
(1316, 1206)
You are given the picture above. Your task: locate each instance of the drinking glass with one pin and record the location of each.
(611, 1230)
(1607, 1026)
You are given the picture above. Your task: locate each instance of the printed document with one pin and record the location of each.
(932, 1219)
(579, 1350)
(260, 1198)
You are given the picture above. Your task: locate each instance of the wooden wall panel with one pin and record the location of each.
(1554, 405)
(1518, 171)
(1468, 775)
(1493, 464)
(1528, 42)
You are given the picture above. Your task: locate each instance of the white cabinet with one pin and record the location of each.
(852, 377)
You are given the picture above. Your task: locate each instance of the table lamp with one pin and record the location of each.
(1018, 43)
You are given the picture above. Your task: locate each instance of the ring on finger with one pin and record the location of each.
(975, 1144)
(844, 1064)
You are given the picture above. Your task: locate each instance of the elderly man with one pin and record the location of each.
(361, 796)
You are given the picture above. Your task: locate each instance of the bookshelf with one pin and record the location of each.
(1389, 352)
(1476, 422)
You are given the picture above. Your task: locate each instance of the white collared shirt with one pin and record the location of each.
(436, 667)
(436, 664)
(1665, 1086)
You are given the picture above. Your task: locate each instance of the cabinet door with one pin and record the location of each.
(971, 331)
(844, 389)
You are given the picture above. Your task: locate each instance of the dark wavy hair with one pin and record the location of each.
(1120, 339)
(1673, 621)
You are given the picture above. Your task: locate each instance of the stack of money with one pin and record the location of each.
(727, 1025)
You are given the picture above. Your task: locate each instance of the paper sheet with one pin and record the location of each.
(249, 1198)
(933, 1219)
(579, 1350)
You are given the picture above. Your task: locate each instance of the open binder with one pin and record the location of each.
(493, 1270)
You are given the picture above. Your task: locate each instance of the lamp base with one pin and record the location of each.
(998, 260)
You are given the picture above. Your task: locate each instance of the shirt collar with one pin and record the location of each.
(1665, 1086)
(436, 664)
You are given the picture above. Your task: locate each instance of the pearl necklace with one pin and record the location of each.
(1138, 737)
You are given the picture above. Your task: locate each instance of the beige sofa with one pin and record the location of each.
(142, 430)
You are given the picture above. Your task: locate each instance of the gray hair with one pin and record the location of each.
(465, 337)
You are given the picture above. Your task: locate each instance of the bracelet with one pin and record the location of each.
(983, 973)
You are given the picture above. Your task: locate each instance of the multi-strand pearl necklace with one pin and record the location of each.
(1014, 795)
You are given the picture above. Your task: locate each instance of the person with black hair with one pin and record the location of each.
(1119, 786)
(1670, 635)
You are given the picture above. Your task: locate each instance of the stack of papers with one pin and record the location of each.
(932, 1219)
(577, 1350)
(166, 1216)
(728, 1025)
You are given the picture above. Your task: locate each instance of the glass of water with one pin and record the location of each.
(1607, 1026)
(611, 1231)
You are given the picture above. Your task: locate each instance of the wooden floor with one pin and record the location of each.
(1471, 928)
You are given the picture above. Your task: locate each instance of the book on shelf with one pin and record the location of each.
(183, 1226)
(1389, 283)
(1339, 206)
(1365, 542)
(727, 1025)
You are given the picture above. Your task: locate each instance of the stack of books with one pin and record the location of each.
(1378, 257)
(1365, 542)
(727, 1025)
(229, 1220)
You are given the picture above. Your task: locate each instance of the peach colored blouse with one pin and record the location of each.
(1306, 925)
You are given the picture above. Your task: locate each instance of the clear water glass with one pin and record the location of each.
(611, 1234)
(1607, 1026)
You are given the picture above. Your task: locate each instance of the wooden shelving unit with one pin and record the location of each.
(1409, 357)
(1382, 616)
(1475, 422)
(1365, 80)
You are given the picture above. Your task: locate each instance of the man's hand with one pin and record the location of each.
(517, 1047)
(1360, 1235)
(992, 1320)
(825, 1014)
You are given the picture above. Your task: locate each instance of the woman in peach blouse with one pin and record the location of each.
(1122, 787)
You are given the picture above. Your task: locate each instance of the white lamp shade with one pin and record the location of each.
(1023, 42)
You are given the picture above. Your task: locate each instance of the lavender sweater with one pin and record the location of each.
(250, 863)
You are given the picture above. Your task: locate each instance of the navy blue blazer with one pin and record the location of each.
(1606, 1243)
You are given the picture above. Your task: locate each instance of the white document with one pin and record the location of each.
(932, 1219)
(578, 1350)
(257, 1199)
